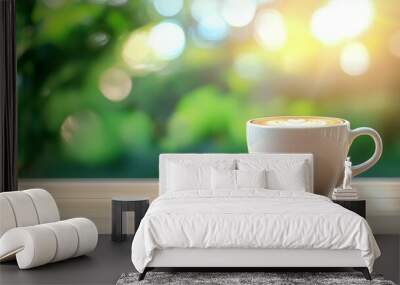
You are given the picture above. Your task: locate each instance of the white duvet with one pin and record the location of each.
(250, 219)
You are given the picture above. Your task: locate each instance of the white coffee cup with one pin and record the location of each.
(328, 139)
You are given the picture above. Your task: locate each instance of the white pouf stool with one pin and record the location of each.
(31, 230)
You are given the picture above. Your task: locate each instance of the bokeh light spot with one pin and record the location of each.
(68, 127)
(98, 39)
(168, 8)
(212, 28)
(270, 30)
(138, 55)
(341, 19)
(354, 59)
(238, 13)
(167, 40)
(75, 123)
(115, 84)
(204, 8)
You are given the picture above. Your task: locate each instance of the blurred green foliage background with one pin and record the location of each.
(96, 101)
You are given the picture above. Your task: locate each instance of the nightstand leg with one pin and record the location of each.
(116, 221)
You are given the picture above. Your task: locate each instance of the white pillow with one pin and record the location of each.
(223, 179)
(185, 175)
(251, 178)
(290, 174)
(227, 179)
(294, 180)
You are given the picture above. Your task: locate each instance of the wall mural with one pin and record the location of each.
(104, 86)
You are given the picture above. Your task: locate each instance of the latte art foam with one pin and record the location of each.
(298, 122)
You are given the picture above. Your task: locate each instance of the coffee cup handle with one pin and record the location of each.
(360, 168)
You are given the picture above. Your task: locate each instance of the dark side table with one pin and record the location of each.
(139, 205)
(356, 206)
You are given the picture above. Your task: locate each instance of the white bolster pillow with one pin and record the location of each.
(87, 235)
(7, 217)
(37, 245)
(45, 205)
(33, 246)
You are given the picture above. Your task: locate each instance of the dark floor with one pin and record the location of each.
(110, 260)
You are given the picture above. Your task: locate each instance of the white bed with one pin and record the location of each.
(249, 227)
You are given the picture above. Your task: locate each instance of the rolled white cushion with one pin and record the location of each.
(23, 208)
(33, 246)
(7, 218)
(87, 235)
(37, 245)
(46, 207)
(67, 240)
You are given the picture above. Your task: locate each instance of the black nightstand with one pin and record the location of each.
(123, 204)
(357, 206)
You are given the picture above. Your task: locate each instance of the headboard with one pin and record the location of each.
(195, 157)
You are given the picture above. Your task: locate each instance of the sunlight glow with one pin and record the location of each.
(115, 84)
(270, 30)
(394, 44)
(354, 59)
(167, 40)
(341, 19)
(249, 66)
(137, 54)
(238, 13)
(168, 8)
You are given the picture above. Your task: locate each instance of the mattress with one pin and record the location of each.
(250, 219)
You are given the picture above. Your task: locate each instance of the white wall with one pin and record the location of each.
(92, 198)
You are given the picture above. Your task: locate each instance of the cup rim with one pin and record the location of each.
(343, 122)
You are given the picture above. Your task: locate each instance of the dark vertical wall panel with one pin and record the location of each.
(8, 100)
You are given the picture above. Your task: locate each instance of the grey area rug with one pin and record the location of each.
(269, 278)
